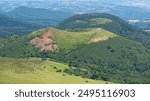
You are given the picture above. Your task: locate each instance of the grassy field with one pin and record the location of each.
(93, 22)
(67, 39)
(37, 71)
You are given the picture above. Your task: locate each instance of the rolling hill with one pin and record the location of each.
(117, 59)
(37, 71)
(110, 58)
(38, 15)
(67, 39)
(107, 22)
(9, 25)
(45, 39)
(90, 44)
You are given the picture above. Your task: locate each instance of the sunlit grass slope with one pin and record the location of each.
(37, 71)
(66, 39)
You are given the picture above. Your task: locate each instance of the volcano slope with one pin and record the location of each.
(103, 54)
(45, 43)
(106, 21)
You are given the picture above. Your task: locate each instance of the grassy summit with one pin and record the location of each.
(67, 39)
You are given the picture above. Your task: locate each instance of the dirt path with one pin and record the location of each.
(97, 39)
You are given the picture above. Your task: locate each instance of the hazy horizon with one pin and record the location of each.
(138, 3)
(76, 6)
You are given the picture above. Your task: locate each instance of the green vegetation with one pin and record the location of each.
(40, 16)
(68, 40)
(9, 25)
(17, 46)
(98, 21)
(117, 59)
(106, 21)
(37, 33)
(90, 50)
(37, 71)
(91, 22)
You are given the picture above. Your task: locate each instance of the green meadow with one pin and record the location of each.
(38, 71)
(93, 22)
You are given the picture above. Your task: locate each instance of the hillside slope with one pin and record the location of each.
(67, 39)
(9, 25)
(105, 55)
(37, 71)
(117, 59)
(38, 15)
(107, 22)
(45, 39)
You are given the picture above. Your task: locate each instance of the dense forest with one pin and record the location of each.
(117, 60)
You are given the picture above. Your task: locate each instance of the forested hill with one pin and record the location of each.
(9, 25)
(105, 55)
(106, 21)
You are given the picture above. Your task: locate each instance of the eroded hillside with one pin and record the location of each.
(46, 42)
(52, 39)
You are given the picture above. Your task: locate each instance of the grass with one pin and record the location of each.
(37, 71)
(66, 39)
(38, 33)
(93, 22)
(99, 21)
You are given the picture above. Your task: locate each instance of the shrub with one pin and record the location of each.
(86, 81)
(58, 70)
(54, 67)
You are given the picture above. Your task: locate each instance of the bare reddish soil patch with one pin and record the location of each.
(46, 41)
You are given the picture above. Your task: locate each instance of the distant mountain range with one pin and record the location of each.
(118, 8)
(38, 15)
(127, 10)
(9, 25)
(24, 20)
